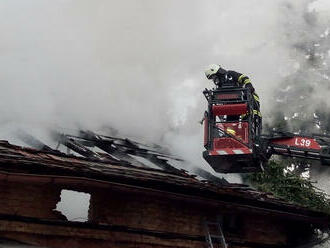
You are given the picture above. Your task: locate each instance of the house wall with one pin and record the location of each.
(160, 213)
(32, 200)
(138, 210)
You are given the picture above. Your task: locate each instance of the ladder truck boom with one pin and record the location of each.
(232, 135)
(313, 147)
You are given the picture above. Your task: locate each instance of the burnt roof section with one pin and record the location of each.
(111, 149)
(15, 160)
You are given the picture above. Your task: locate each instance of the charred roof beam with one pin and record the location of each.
(81, 149)
(109, 147)
(127, 147)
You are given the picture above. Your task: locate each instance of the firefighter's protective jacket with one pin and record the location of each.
(244, 81)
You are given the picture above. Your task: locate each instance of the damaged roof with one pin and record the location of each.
(27, 164)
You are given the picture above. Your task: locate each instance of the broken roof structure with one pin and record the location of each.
(135, 205)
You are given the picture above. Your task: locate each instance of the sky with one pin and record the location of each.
(136, 66)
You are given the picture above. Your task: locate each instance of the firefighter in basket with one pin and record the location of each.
(222, 77)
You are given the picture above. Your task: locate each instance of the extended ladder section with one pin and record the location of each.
(316, 147)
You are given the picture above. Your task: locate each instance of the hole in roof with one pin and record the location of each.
(145, 161)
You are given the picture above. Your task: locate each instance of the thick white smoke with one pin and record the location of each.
(134, 65)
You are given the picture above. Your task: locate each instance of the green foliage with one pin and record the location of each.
(289, 186)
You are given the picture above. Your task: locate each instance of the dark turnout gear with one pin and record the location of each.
(223, 78)
(244, 82)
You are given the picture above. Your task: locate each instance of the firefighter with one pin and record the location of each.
(222, 77)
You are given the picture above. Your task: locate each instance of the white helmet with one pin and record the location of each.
(211, 70)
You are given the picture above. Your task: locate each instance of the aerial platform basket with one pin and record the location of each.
(229, 131)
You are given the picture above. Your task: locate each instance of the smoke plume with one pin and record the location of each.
(136, 66)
